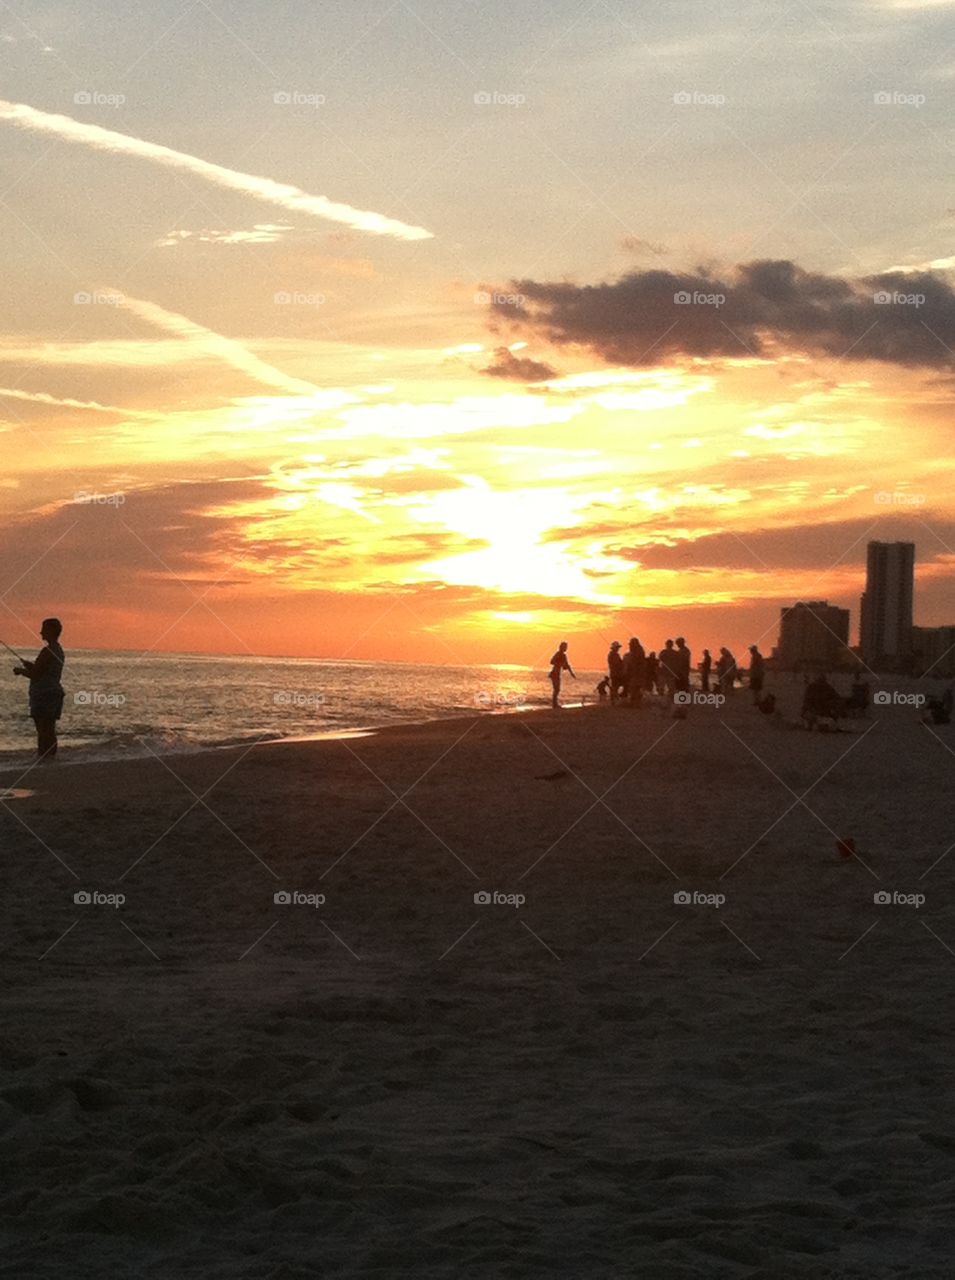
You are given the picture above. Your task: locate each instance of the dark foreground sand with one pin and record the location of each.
(599, 1082)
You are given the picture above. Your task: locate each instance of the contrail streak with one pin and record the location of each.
(214, 344)
(276, 193)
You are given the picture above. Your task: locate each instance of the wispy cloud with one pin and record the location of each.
(261, 233)
(214, 344)
(935, 264)
(42, 397)
(276, 193)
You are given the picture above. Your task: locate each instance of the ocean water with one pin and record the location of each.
(124, 704)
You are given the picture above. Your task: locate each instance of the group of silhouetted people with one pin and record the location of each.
(632, 674)
(635, 672)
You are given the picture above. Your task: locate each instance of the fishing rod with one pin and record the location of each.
(22, 661)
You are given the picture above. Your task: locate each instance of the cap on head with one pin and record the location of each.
(615, 645)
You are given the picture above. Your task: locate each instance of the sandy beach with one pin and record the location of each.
(582, 1076)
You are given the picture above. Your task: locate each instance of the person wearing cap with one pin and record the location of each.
(615, 670)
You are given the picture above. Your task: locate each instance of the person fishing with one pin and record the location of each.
(46, 691)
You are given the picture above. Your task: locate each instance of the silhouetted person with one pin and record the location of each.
(615, 671)
(821, 701)
(668, 668)
(757, 672)
(726, 671)
(603, 688)
(653, 671)
(706, 666)
(857, 702)
(635, 671)
(559, 663)
(661, 680)
(46, 691)
(683, 659)
(940, 709)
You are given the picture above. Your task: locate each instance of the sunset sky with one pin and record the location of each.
(445, 330)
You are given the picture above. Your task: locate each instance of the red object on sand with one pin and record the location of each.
(847, 846)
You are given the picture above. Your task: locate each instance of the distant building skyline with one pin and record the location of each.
(933, 651)
(886, 606)
(813, 634)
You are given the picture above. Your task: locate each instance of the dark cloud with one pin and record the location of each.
(904, 319)
(811, 547)
(508, 365)
(433, 595)
(107, 543)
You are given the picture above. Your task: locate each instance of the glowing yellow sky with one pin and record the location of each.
(513, 512)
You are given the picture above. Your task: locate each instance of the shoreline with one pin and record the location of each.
(783, 684)
(72, 759)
